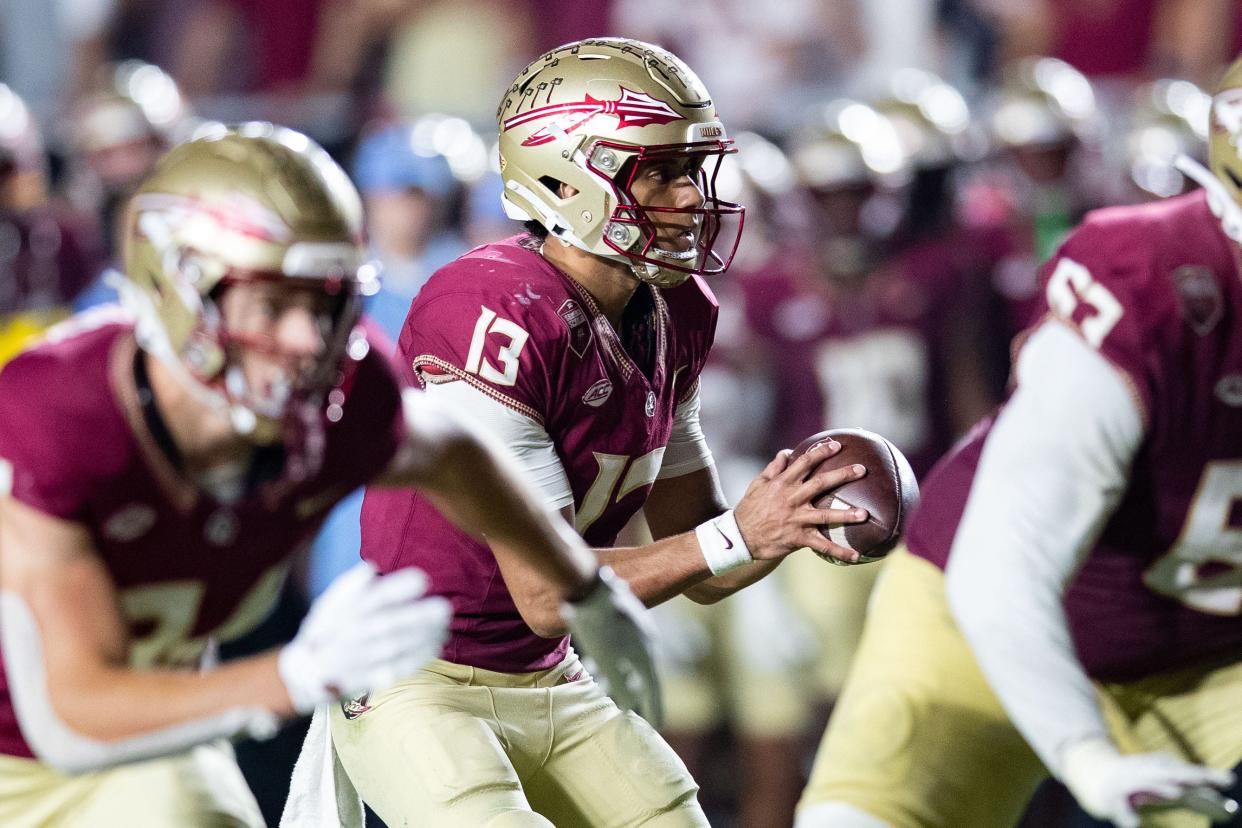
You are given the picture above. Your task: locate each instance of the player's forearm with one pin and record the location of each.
(722, 586)
(1021, 640)
(81, 711)
(659, 570)
(484, 493)
(111, 703)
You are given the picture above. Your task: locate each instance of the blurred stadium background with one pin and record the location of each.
(906, 165)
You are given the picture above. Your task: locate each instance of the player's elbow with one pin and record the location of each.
(546, 624)
(550, 628)
(706, 594)
(541, 612)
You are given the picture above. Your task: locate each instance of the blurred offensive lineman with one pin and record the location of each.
(157, 475)
(1072, 576)
(580, 345)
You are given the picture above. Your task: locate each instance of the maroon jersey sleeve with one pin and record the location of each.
(478, 321)
(1104, 282)
(48, 458)
(37, 473)
(693, 312)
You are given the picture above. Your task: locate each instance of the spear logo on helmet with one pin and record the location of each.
(632, 109)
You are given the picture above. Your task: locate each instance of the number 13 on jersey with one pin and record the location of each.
(515, 336)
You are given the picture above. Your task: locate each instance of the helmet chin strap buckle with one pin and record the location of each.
(620, 234)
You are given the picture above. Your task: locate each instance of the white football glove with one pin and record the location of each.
(1114, 786)
(365, 632)
(612, 626)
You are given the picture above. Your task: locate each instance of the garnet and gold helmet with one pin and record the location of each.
(585, 115)
(256, 203)
(1224, 183)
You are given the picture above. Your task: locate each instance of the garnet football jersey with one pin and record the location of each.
(74, 445)
(1155, 288)
(872, 357)
(504, 320)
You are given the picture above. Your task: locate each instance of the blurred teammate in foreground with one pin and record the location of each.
(1070, 600)
(158, 470)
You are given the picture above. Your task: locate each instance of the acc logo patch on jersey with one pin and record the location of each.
(1229, 390)
(130, 523)
(579, 326)
(221, 527)
(598, 393)
(1203, 306)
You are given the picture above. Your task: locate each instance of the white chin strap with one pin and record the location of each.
(1219, 201)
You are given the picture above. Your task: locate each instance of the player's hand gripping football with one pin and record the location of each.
(612, 625)
(775, 516)
(365, 632)
(1120, 788)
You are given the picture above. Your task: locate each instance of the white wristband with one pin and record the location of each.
(722, 544)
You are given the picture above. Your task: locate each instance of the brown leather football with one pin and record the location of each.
(889, 490)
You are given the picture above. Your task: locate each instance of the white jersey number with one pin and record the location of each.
(490, 323)
(1203, 569)
(1071, 285)
(878, 381)
(642, 471)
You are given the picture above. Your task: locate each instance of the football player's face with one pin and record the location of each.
(282, 330)
(671, 182)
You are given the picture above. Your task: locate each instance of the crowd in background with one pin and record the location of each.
(906, 166)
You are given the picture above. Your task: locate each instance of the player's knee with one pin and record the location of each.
(837, 815)
(518, 819)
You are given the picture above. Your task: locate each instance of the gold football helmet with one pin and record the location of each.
(1224, 183)
(585, 115)
(846, 144)
(1042, 102)
(1169, 118)
(249, 204)
(931, 118)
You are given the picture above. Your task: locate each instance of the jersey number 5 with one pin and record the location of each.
(1071, 285)
(490, 323)
(1203, 569)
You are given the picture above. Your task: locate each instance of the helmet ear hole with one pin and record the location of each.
(556, 187)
